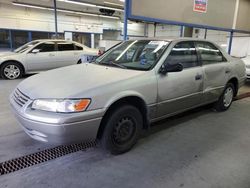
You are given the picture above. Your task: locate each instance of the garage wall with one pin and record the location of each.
(219, 13)
(21, 18)
(243, 17)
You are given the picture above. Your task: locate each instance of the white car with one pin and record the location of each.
(41, 55)
(247, 63)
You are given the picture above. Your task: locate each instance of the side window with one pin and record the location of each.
(209, 53)
(183, 53)
(65, 47)
(46, 47)
(78, 47)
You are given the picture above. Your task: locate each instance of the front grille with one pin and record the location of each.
(20, 98)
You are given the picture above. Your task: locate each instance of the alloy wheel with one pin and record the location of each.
(12, 72)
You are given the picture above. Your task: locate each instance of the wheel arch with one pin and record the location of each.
(235, 82)
(18, 62)
(133, 100)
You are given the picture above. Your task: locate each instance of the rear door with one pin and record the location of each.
(216, 70)
(67, 54)
(43, 59)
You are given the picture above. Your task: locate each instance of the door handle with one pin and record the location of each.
(51, 55)
(198, 77)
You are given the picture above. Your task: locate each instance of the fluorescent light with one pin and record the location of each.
(91, 5)
(115, 4)
(78, 3)
(63, 10)
(31, 6)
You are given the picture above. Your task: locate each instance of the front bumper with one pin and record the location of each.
(57, 128)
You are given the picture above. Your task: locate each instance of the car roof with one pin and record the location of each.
(170, 39)
(54, 40)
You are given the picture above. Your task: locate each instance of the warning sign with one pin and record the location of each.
(200, 6)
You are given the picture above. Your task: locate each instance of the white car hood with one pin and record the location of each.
(4, 54)
(73, 81)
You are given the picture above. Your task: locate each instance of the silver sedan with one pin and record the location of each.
(130, 86)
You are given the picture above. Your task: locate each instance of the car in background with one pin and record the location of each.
(247, 63)
(130, 86)
(42, 55)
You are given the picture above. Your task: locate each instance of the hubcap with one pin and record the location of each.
(11, 71)
(228, 97)
(123, 131)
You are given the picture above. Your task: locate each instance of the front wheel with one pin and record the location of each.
(11, 71)
(226, 98)
(123, 126)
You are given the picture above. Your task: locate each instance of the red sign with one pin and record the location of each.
(200, 6)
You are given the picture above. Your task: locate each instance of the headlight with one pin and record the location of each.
(61, 105)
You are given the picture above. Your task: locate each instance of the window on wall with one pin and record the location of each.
(40, 35)
(97, 39)
(4, 39)
(19, 38)
(82, 38)
(53, 36)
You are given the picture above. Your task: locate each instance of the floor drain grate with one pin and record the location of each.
(42, 156)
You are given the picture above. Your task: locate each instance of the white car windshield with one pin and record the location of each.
(26, 47)
(137, 55)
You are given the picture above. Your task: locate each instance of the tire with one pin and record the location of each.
(123, 126)
(226, 99)
(11, 71)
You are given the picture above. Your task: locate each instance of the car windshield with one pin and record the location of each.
(137, 55)
(26, 46)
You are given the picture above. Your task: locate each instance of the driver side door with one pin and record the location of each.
(179, 91)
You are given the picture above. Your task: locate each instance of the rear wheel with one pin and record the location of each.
(226, 98)
(11, 71)
(123, 126)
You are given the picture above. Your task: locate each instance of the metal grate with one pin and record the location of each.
(42, 156)
(20, 98)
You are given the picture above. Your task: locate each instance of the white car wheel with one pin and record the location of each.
(11, 71)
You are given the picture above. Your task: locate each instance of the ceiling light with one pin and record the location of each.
(91, 5)
(115, 4)
(63, 10)
(78, 3)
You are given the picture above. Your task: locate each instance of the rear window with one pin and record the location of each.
(65, 47)
(209, 53)
(78, 47)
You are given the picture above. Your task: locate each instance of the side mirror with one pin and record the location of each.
(165, 68)
(35, 51)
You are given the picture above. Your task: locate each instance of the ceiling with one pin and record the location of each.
(117, 4)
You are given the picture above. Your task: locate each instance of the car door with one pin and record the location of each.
(41, 57)
(216, 70)
(66, 54)
(178, 91)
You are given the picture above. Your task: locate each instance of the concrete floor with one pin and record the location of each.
(198, 149)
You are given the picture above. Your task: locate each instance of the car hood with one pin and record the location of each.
(73, 81)
(3, 54)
